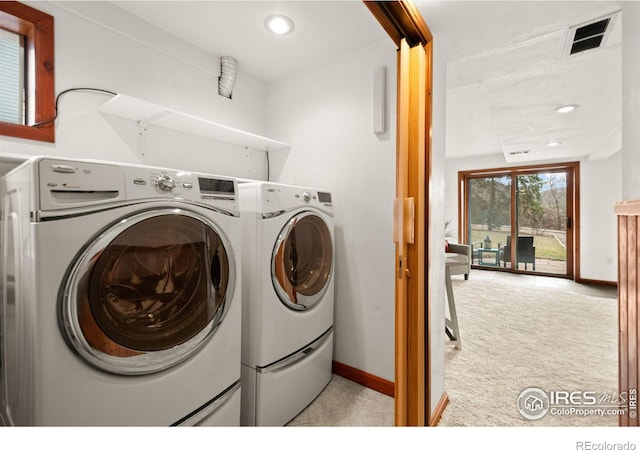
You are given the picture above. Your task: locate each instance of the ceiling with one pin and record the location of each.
(507, 72)
(323, 30)
(506, 64)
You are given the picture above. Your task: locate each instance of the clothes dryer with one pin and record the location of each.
(288, 297)
(120, 296)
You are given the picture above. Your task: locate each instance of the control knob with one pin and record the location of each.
(166, 183)
(306, 196)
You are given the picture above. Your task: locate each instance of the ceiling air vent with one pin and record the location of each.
(521, 152)
(588, 36)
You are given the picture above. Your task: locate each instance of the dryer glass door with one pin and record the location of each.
(302, 261)
(149, 291)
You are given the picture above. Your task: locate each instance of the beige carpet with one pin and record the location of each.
(521, 331)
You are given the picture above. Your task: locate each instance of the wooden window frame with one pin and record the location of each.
(38, 29)
(572, 168)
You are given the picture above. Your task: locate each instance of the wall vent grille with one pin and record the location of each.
(520, 152)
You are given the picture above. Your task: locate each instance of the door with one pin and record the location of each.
(406, 27)
(522, 219)
(489, 224)
(148, 292)
(410, 237)
(302, 261)
(543, 223)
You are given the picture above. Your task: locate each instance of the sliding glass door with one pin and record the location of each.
(521, 219)
(489, 212)
(541, 223)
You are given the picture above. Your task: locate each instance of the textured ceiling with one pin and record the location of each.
(506, 70)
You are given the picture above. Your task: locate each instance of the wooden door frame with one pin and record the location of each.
(406, 27)
(628, 216)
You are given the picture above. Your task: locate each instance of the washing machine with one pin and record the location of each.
(288, 297)
(121, 296)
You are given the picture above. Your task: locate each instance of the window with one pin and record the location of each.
(26, 73)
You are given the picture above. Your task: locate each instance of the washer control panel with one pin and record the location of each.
(166, 183)
(65, 184)
(159, 182)
(70, 183)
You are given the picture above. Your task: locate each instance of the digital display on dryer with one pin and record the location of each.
(324, 197)
(216, 186)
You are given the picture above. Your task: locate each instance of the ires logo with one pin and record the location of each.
(633, 403)
(534, 403)
(573, 398)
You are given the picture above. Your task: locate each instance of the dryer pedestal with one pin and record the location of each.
(276, 394)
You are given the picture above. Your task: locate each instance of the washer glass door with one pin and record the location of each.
(148, 292)
(302, 261)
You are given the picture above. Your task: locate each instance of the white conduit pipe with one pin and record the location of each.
(227, 78)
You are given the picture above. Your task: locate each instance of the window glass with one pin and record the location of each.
(11, 77)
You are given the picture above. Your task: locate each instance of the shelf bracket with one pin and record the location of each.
(143, 125)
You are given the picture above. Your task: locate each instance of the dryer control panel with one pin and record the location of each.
(274, 197)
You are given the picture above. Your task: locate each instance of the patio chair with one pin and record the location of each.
(526, 251)
(460, 253)
(474, 250)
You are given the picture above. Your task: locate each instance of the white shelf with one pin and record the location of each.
(146, 113)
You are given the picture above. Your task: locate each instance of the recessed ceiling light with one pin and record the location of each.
(566, 108)
(553, 143)
(278, 24)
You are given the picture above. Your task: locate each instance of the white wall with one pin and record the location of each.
(327, 117)
(600, 189)
(631, 100)
(329, 127)
(99, 45)
(437, 219)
